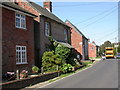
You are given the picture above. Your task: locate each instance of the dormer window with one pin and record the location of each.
(20, 21)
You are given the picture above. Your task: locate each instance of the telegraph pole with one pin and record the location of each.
(116, 45)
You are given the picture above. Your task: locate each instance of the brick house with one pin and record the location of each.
(46, 25)
(78, 41)
(17, 38)
(92, 49)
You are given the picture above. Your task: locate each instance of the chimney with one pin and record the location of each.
(17, 1)
(48, 5)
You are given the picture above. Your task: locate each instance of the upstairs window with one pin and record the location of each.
(65, 34)
(20, 21)
(47, 29)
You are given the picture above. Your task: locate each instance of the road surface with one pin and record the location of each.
(103, 74)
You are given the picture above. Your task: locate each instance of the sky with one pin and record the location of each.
(98, 21)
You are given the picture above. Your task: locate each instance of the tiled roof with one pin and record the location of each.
(16, 7)
(46, 13)
(76, 28)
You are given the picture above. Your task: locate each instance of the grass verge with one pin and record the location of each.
(67, 74)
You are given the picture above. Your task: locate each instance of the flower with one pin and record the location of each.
(23, 74)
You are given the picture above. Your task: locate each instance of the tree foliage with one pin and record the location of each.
(63, 51)
(50, 60)
(102, 47)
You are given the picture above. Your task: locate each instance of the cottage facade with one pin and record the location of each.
(46, 25)
(17, 38)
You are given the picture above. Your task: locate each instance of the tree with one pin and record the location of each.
(102, 47)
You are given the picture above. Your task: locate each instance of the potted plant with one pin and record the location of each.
(35, 69)
(23, 74)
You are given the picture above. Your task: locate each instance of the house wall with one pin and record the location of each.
(12, 36)
(92, 50)
(57, 32)
(37, 44)
(79, 42)
(76, 40)
(85, 48)
(28, 7)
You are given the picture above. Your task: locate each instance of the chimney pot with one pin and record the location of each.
(48, 5)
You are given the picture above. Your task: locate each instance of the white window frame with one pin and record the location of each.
(19, 60)
(47, 29)
(21, 18)
(65, 33)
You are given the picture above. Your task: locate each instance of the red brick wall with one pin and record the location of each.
(76, 38)
(92, 50)
(13, 36)
(27, 7)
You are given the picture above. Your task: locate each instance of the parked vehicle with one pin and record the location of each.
(109, 52)
(118, 56)
(103, 58)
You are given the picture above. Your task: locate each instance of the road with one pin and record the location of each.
(103, 74)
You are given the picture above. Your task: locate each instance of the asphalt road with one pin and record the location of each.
(103, 74)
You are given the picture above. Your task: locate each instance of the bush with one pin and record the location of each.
(67, 68)
(50, 61)
(35, 69)
(63, 51)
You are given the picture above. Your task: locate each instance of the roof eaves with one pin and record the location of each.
(42, 14)
(19, 9)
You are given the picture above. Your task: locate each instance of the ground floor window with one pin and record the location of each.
(21, 55)
(47, 47)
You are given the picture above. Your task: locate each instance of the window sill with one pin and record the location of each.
(47, 36)
(21, 63)
(21, 28)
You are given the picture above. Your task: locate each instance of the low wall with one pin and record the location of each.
(29, 81)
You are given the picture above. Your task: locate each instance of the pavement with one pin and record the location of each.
(103, 74)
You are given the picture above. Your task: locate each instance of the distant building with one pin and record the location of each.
(92, 49)
(78, 41)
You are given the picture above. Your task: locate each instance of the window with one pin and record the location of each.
(47, 29)
(20, 21)
(65, 34)
(92, 48)
(21, 56)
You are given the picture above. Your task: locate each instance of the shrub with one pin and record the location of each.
(35, 69)
(63, 51)
(67, 68)
(50, 61)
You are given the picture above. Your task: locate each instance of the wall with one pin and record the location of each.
(57, 32)
(13, 36)
(92, 50)
(37, 44)
(76, 40)
(18, 84)
(85, 47)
